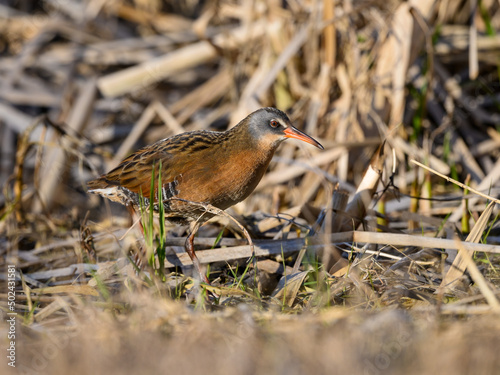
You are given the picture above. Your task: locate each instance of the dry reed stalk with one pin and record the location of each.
(457, 269)
(266, 76)
(54, 163)
(287, 247)
(272, 222)
(412, 150)
(345, 116)
(396, 56)
(330, 44)
(308, 188)
(473, 60)
(273, 267)
(335, 215)
(288, 287)
(453, 88)
(477, 191)
(299, 167)
(16, 120)
(168, 118)
(205, 94)
(478, 278)
(465, 157)
(53, 307)
(141, 125)
(319, 100)
(357, 207)
(407, 240)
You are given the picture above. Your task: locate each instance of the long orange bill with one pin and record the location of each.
(292, 132)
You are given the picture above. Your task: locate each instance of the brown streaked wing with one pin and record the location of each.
(135, 172)
(178, 155)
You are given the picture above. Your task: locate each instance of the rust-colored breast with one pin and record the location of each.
(226, 180)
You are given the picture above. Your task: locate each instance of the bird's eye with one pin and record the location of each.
(274, 123)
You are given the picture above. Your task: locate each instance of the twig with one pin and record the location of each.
(463, 186)
(478, 278)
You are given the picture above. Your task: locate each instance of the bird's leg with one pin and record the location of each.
(190, 250)
(217, 211)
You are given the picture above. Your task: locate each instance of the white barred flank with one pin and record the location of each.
(105, 192)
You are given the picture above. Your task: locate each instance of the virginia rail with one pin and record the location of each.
(212, 168)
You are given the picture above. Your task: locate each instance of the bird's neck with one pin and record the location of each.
(242, 138)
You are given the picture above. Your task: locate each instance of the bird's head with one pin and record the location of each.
(270, 126)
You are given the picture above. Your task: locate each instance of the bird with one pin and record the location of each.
(200, 168)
